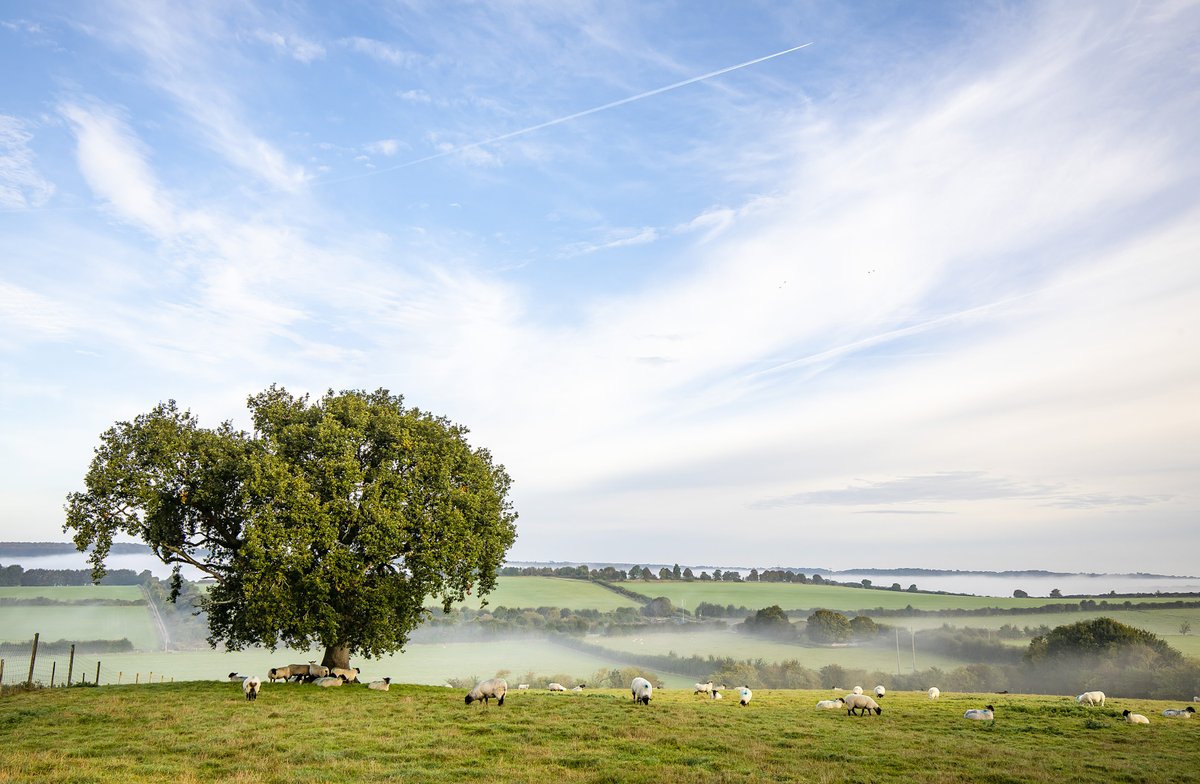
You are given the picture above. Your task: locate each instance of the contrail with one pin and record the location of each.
(575, 116)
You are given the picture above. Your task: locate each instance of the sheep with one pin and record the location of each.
(522, 686)
(235, 678)
(328, 681)
(934, 692)
(1195, 699)
(879, 692)
(716, 695)
(493, 687)
(856, 690)
(1182, 713)
(703, 688)
(285, 672)
(556, 687)
(642, 690)
(981, 714)
(350, 673)
(744, 695)
(1134, 718)
(579, 687)
(380, 685)
(307, 672)
(831, 704)
(863, 703)
(251, 686)
(1091, 698)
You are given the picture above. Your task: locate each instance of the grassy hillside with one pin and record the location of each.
(66, 593)
(205, 732)
(552, 592)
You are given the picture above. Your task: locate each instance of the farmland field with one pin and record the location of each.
(66, 593)
(552, 592)
(62, 622)
(203, 732)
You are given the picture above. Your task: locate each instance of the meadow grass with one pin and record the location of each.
(206, 732)
(63, 622)
(65, 593)
(552, 592)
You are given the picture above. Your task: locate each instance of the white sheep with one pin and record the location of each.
(856, 690)
(879, 692)
(556, 687)
(328, 681)
(1195, 699)
(1181, 713)
(703, 688)
(522, 686)
(716, 695)
(287, 671)
(934, 692)
(1091, 698)
(350, 673)
(642, 690)
(493, 687)
(380, 685)
(863, 703)
(579, 687)
(981, 714)
(251, 686)
(1134, 718)
(744, 696)
(831, 704)
(235, 678)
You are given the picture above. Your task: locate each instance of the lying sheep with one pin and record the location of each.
(744, 696)
(328, 681)
(235, 678)
(522, 686)
(579, 687)
(879, 692)
(556, 687)
(485, 690)
(1091, 698)
(351, 674)
(934, 692)
(1134, 718)
(380, 685)
(981, 714)
(307, 672)
(1181, 713)
(251, 686)
(716, 695)
(642, 690)
(862, 703)
(831, 704)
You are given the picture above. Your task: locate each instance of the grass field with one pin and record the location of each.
(64, 593)
(206, 732)
(552, 592)
(18, 624)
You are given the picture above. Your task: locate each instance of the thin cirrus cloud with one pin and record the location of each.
(21, 182)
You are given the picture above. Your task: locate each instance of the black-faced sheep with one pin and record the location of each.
(235, 678)
(861, 703)
(380, 685)
(1181, 713)
(349, 673)
(703, 688)
(556, 687)
(744, 696)
(642, 690)
(493, 687)
(981, 714)
(286, 672)
(251, 686)
(1134, 718)
(831, 704)
(329, 681)
(879, 692)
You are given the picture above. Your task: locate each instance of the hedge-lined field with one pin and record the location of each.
(206, 732)
(552, 592)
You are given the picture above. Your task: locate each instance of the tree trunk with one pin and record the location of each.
(337, 656)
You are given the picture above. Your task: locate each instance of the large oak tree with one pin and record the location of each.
(329, 525)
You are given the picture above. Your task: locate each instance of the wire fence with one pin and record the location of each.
(30, 665)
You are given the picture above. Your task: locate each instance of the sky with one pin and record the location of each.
(836, 285)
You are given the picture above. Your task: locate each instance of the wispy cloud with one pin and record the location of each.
(21, 183)
(294, 46)
(380, 51)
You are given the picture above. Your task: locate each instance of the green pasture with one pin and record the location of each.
(206, 732)
(65, 622)
(744, 646)
(808, 596)
(66, 593)
(552, 592)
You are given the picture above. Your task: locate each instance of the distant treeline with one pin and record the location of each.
(9, 549)
(1084, 605)
(15, 575)
(62, 647)
(45, 601)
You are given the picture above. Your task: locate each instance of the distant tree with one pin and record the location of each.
(771, 621)
(705, 576)
(866, 583)
(329, 525)
(731, 576)
(834, 676)
(716, 575)
(664, 573)
(647, 574)
(816, 578)
(863, 627)
(1019, 594)
(1056, 594)
(828, 626)
(676, 574)
(659, 607)
(895, 587)
(688, 575)
(1185, 628)
(753, 578)
(912, 588)
(1094, 638)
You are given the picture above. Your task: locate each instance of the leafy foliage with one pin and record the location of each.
(329, 524)
(828, 626)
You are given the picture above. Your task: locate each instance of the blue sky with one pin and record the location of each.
(924, 292)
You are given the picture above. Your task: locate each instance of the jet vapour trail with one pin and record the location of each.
(575, 116)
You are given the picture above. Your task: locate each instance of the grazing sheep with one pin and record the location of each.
(856, 690)
(381, 685)
(1135, 718)
(981, 714)
(328, 681)
(1182, 713)
(351, 674)
(879, 692)
(493, 687)
(744, 695)
(642, 690)
(934, 692)
(1091, 698)
(703, 688)
(556, 687)
(863, 703)
(522, 686)
(251, 686)
(1195, 699)
(831, 704)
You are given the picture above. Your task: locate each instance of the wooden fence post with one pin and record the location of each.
(71, 664)
(1, 671)
(97, 673)
(136, 678)
(53, 667)
(119, 674)
(32, 659)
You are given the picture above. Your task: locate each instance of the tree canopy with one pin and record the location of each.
(330, 524)
(1099, 637)
(828, 626)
